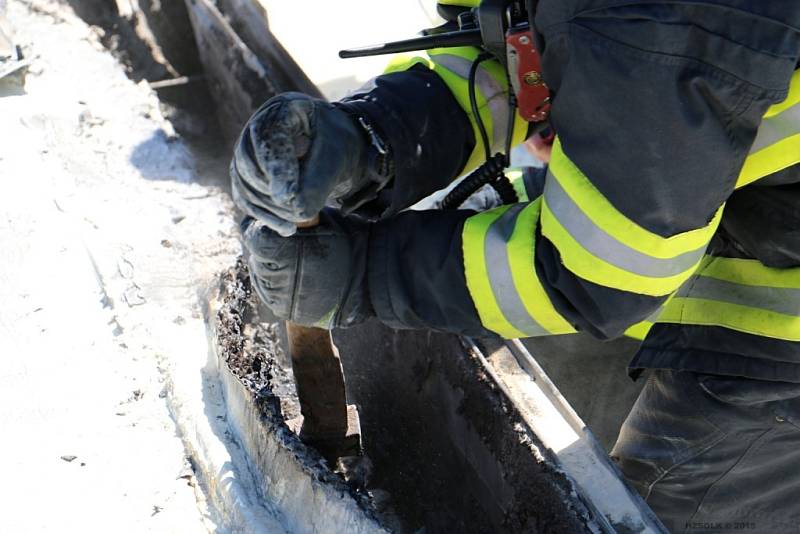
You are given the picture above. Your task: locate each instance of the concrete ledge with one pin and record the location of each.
(291, 477)
(574, 448)
(237, 79)
(449, 449)
(243, 63)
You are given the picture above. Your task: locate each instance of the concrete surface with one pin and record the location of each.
(111, 229)
(592, 376)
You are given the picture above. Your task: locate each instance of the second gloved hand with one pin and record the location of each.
(297, 154)
(316, 277)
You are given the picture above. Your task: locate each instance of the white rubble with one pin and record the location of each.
(108, 245)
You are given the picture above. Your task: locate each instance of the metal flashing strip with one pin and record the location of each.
(577, 452)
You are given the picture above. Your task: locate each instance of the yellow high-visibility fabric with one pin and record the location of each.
(769, 160)
(639, 330)
(458, 83)
(521, 252)
(685, 309)
(781, 154)
(742, 295)
(518, 183)
(791, 99)
(505, 284)
(704, 312)
(626, 256)
(462, 3)
(476, 273)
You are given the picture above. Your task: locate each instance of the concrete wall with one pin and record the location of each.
(592, 376)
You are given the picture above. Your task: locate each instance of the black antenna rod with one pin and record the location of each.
(440, 40)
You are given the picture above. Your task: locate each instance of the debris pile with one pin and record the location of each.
(251, 348)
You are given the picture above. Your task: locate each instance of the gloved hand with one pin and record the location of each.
(296, 154)
(316, 277)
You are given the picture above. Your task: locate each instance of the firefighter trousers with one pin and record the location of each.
(715, 454)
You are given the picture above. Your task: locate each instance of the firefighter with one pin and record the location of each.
(670, 210)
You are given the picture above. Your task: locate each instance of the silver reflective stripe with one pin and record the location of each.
(497, 265)
(494, 93)
(783, 125)
(606, 247)
(775, 299)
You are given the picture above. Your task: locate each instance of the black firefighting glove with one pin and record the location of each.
(298, 154)
(316, 277)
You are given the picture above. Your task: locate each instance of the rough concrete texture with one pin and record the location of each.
(310, 497)
(445, 449)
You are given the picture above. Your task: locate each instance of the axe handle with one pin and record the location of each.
(319, 378)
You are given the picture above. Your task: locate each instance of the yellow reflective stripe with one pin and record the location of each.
(775, 155)
(492, 92)
(792, 99)
(742, 295)
(518, 182)
(477, 275)
(606, 216)
(589, 267)
(598, 243)
(771, 159)
(501, 277)
(456, 77)
(687, 310)
(521, 250)
(459, 85)
(460, 3)
(460, 90)
(498, 248)
(749, 272)
(639, 330)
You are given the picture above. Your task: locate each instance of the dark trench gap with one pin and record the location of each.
(156, 44)
(445, 450)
